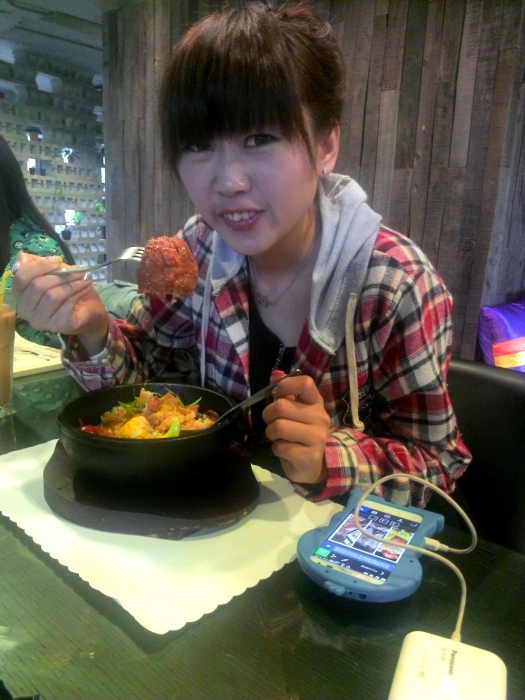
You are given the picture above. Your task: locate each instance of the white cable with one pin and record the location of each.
(433, 544)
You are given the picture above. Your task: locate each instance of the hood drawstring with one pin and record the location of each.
(351, 361)
(206, 310)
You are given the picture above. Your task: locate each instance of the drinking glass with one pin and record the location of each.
(7, 345)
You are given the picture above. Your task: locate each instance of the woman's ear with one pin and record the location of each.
(328, 150)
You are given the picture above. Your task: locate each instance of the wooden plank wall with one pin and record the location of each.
(432, 130)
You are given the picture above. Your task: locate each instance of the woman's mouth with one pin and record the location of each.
(241, 220)
(240, 215)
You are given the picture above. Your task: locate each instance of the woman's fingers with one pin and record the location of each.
(29, 267)
(60, 309)
(61, 304)
(31, 280)
(301, 387)
(44, 304)
(299, 439)
(298, 425)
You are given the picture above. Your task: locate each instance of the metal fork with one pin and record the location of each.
(134, 254)
(254, 398)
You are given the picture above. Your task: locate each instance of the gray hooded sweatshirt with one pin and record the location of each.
(348, 233)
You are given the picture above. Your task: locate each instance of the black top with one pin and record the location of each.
(266, 354)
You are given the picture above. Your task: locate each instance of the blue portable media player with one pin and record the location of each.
(347, 563)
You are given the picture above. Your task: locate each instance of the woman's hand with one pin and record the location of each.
(298, 425)
(60, 304)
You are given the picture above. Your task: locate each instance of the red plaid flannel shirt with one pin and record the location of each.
(402, 344)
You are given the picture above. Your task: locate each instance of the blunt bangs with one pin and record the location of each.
(222, 81)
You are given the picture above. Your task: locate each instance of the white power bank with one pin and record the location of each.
(436, 668)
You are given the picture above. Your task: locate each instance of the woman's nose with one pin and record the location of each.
(231, 179)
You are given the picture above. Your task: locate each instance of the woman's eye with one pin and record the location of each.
(259, 140)
(198, 147)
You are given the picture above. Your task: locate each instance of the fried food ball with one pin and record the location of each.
(167, 267)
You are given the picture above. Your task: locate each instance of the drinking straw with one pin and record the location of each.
(3, 282)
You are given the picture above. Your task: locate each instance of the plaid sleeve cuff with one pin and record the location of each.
(341, 476)
(90, 372)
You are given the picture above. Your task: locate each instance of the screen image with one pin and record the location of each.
(348, 550)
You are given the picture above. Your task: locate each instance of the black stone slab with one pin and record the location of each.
(154, 509)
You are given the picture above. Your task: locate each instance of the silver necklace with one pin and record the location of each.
(263, 298)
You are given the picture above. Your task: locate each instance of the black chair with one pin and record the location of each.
(489, 403)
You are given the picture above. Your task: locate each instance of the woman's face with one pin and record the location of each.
(257, 189)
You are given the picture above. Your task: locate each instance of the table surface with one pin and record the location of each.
(285, 638)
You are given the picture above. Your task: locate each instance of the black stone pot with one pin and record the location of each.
(190, 456)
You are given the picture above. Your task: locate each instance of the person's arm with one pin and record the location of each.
(141, 346)
(137, 348)
(413, 425)
(413, 428)
(97, 351)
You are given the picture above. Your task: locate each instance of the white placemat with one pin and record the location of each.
(31, 358)
(163, 584)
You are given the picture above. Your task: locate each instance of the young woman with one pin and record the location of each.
(23, 228)
(295, 270)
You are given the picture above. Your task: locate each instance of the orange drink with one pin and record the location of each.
(7, 343)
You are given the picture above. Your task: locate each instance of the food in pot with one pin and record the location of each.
(151, 416)
(167, 267)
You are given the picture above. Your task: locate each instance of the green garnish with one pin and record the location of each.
(174, 429)
(134, 407)
(194, 403)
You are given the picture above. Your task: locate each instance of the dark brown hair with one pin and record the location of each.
(15, 202)
(248, 67)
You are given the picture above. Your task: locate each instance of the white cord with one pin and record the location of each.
(432, 544)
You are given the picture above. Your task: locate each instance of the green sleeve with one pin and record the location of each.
(27, 238)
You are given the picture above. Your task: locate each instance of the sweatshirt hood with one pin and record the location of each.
(349, 230)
